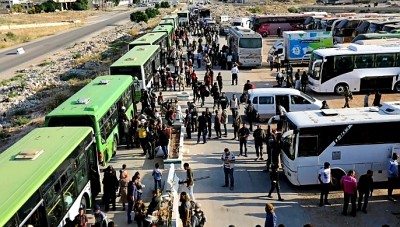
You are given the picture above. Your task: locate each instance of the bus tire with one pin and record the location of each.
(84, 202)
(396, 87)
(336, 177)
(264, 34)
(115, 147)
(339, 88)
(262, 120)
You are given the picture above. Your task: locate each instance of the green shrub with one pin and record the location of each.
(4, 134)
(139, 16)
(164, 5)
(50, 6)
(293, 10)
(80, 5)
(76, 55)
(152, 12)
(10, 35)
(21, 121)
(255, 10)
(157, 5)
(18, 8)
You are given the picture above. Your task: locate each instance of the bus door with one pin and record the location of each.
(281, 100)
(94, 171)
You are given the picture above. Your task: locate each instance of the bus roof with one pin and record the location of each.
(137, 56)
(148, 38)
(388, 112)
(23, 177)
(166, 21)
(375, 36)
(163, 28)
(96, 105)
(171, 16)
(243, 32)
(359, 49)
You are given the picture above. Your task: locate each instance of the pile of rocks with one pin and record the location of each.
(79, 61)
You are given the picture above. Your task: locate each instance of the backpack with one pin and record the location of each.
(142, 133)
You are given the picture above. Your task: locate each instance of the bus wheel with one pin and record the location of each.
(262, 120)
(264, 34)
(397, 87)
(339, 89)
(115, 146)
(83, 203)
(336, 177)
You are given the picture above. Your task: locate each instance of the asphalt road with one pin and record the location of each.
(10, 61)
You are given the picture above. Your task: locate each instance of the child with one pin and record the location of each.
(157, 174)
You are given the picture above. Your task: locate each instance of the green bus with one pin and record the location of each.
(173, 17)
(168, 21)
(48, 175)
(99, 105)
(141, 63)
(168, 29)
(152, 38)
(375, 36)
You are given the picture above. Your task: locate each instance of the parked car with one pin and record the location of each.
(224, 30)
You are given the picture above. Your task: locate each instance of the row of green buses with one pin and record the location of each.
(80, 135)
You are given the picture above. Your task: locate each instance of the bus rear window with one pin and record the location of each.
(250, 43)
(70, 121)
(127, 70)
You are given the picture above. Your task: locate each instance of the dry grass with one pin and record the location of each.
(7, 19)
(29, 34)
(153, 22)
(86, 58)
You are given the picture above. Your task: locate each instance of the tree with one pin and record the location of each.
(49, 6)
(152, 12)
(139, 16)
(157, 5)
(80, 5)
(165, 5)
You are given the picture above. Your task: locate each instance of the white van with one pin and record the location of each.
(241, 22)
(223, 18)
(267, 100)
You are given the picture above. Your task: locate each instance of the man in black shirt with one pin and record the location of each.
(365, 187)
(243, 134)
(223, 101)
(202, 128)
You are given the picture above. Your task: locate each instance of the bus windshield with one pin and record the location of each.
(250, 43)
(315, 66)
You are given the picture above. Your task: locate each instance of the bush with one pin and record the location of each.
(152, 12)
(293, 10)
(157, 5)
(80, 5)
(139, 16)
(18, 8)
(10, 35)
(255, 10)
(21, 121)
(50, 6)
(164, 5)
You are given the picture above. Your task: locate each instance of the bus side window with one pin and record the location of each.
(364, 61)
(398, 60)
(255, 100)
(344, 64)
(308, 146)
(385, 60)
(266, 100)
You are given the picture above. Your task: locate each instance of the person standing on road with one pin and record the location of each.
(202, 127)
(81, 219)
(274, 182)
(270, 219)
(217, 125)
(347, 97)
(259, 138)
(219, 81)
(209, 122)
(392, 174)
(365, 188)
(224, 121)
(229, 163)
(304, 81)
(377, 98)
(189, 180)
(325, 179)
(243, 134)
(271, 62)
(223, 101)
(234, 105)
(349, 185)
(366, 97)
(235, 72)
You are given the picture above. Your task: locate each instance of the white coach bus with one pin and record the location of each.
(360, 67)
(357, 139)
(246, 44)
